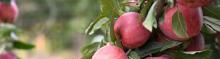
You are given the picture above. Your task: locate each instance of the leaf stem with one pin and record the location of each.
(128, 51)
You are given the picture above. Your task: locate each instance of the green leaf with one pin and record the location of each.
(170, 44)
(171, 3)
(109, 7)
(97, 24)
(155, 47)
(146, 7)
(150, 20)
(133, 55)
(214, 23)
(7, 30)
(21, 45)
(182, 55)
(179, 25)
(212, 11)
(89, 50)
(148, 49)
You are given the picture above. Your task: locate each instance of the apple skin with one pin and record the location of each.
(160, 57)
(194, 3)
(110, 52)
(130, 30)
(193, 22)
(197, 44)
(8, 12)
(7, 55)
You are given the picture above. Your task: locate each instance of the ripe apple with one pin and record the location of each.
(181, 23)
(110, 52)
(197, 43)
(130, 30)
(7, 55)
(8, 11)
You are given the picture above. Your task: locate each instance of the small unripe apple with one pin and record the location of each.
(130, 30)
(7, 55)
(197, 43)
(160, 57)
(8, 11)
(110, 52)
(181, 23)
(194, 3)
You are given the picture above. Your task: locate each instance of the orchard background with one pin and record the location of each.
(55, 27)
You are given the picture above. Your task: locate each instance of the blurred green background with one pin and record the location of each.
(56, 27)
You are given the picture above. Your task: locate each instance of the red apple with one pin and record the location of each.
(8, 11)
(7, 55)
(110, 52)
(130, 30)
(194, 3)
(181, 23)
(160, 57)
(197, 44)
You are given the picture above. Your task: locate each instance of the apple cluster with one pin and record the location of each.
(8, 14)
(130, 31)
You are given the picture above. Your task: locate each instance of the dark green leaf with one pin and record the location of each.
(21, 45)
(155, 47)
(182, 55)
(150, 19)
(212, 11)
(133, 55)
(170, 44)
(178, 24)
(148, 49)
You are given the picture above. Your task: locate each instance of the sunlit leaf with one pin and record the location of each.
(150, 20)
(133, 55)
(97, 24)
(214, 23)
